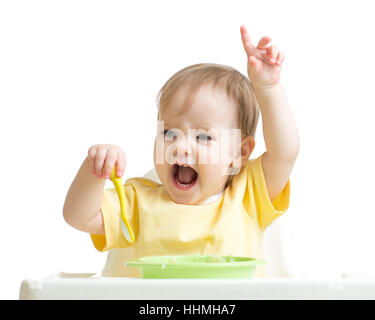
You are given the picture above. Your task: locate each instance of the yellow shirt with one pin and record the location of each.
(232, 225)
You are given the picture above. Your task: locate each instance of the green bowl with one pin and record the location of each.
(196, 267)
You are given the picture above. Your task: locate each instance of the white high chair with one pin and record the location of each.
(117, 282)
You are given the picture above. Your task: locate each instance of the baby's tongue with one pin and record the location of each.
(185, 175)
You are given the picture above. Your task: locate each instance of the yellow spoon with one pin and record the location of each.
(125, 226)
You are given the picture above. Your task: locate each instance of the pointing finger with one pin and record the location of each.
(246, 41)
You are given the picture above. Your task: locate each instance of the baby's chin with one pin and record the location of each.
(191, 197)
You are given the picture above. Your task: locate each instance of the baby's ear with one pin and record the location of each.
(247, 147)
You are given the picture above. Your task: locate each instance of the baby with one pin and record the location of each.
(211, 198)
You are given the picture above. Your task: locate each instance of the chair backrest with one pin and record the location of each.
(273, 246)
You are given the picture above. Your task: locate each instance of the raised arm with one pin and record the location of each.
(279, 127)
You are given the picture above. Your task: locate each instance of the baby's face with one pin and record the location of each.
(194, 150)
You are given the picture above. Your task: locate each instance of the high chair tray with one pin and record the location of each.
(64, 286)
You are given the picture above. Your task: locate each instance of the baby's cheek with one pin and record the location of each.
(228, 154)
(208, 155)
(159, 152)
(216, 162)
(212, 174)
(160, 170)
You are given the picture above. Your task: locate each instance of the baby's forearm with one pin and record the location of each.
(279, 127)
(83, 201)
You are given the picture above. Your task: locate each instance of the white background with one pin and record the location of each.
(77, 73)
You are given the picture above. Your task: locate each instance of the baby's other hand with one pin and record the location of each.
(102, 158)
(263, 62)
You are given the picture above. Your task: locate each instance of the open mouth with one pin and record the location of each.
(183, 177)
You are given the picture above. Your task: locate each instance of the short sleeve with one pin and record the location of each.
(111, 212)
(266, 211)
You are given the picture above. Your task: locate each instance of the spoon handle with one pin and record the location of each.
(117, 181)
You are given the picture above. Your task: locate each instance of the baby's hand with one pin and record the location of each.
(264, 61)
(102, 158)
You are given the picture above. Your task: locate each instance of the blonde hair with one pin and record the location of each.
(237, 86)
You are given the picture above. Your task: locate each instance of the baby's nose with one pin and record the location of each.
(181, 151)
(181, 147)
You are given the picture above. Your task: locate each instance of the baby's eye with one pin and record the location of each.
(169, 135)
(203, 137)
